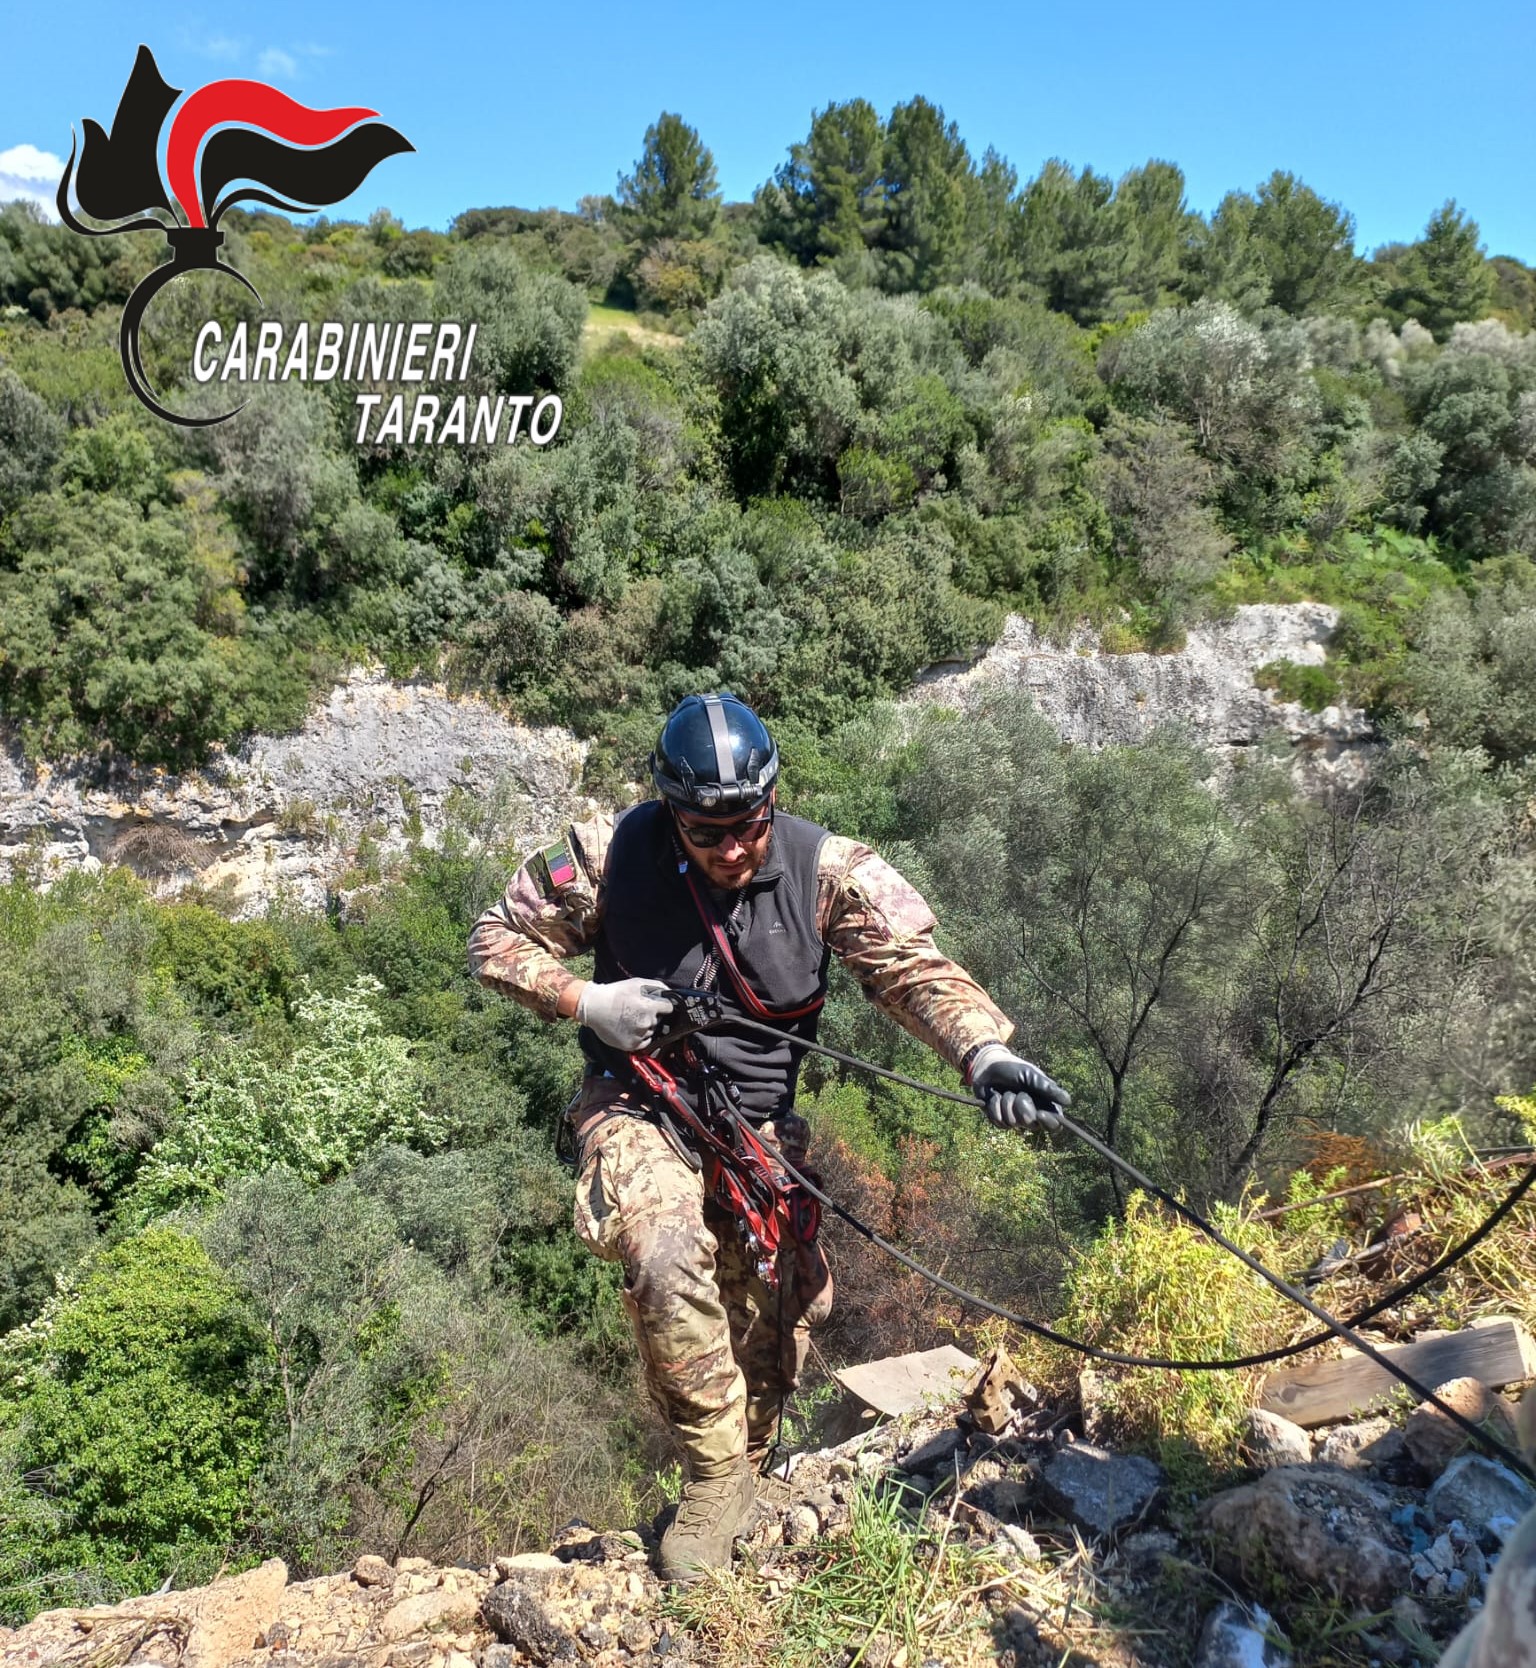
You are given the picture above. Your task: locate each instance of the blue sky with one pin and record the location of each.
(1388, 110)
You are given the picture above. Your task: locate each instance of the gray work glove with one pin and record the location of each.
(626, 1013)
(1015, 1094)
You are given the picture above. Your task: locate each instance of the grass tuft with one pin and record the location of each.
(1151, 1285)
(898, 1587)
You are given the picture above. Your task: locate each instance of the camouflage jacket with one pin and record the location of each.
(875, 922)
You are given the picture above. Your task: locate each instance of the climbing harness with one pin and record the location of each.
(1333, 1327)
(772, 1212)
(742, 1173)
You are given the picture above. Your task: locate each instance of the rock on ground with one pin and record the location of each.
(1099, 1491)
(204, 1627)
(1325, 1528)
(519, 1618)
(1360, 1446)
(1503, 1635)
(1477, 1490)
(593, 1599)
(1434, 1441)
(1237, 1638)
(1270, 1440)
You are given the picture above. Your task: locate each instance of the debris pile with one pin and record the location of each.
(1398, 1527)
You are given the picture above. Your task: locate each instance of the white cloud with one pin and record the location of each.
(29, 173)
(223, 46)
(274, 61)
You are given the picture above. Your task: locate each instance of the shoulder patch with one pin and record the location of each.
(559, 866)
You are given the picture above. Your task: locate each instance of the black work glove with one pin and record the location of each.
(1015, 1094)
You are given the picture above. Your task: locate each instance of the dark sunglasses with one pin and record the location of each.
(745, 832)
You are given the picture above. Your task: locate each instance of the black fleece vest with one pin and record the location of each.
(651, 930)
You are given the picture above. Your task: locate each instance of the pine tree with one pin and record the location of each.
(825, 204)
(673, 192)
(1443, 279)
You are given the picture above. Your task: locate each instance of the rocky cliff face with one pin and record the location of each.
(1206, 689)
(380, 764)
(376, 761)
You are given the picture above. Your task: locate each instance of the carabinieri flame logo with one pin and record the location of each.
(227, 133)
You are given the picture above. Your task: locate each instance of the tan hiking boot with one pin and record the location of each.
(712, 1513)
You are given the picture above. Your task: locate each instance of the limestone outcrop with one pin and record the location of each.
(376, 766)
(380, 764)
(1206, 689)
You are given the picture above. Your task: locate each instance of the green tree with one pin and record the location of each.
(1475, 673)
(48, 269)
(1152, 229)
(672, 192)
(1116, 926)
(825, 205)
(530, 322)
(1225, 261)
(1158, 490)
(343, 1087)
(1217, 372)
(30, 438)
(1306, 245)
(992, 232)
(1476, 403)
(1367, 968)
(139, 1408)
(1065, 237)
(355, 1321)
(1443, 279)
(928, 182)
(1514, 296)
(103, 632)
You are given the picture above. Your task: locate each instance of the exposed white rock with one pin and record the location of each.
(287, 814)
(382, 762)
(1206, 688)
(1235, 1636)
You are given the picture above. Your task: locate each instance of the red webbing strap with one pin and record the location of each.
(732, 1175)
(750, 1000)
(660, 1081)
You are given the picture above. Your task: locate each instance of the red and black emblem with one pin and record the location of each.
(242, 135)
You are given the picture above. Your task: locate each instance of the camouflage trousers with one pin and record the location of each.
(719, 1348)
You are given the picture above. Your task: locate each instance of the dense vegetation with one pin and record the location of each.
(284, 1257)
(900, 394)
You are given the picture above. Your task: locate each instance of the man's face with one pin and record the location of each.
(742, 850)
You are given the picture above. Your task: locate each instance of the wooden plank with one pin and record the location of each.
(1497, 1350)
(899, 1383)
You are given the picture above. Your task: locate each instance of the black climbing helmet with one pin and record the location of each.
(714, 755)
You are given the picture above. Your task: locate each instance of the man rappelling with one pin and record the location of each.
(703, 907)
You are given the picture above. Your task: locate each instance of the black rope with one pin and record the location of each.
(1333, 1326)
(1262, 1358)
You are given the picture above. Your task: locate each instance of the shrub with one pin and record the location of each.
(1151, 1285)
(530, 322)
(339, 1091)
(30, 436)
(1315, 687)
(138, 1416)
